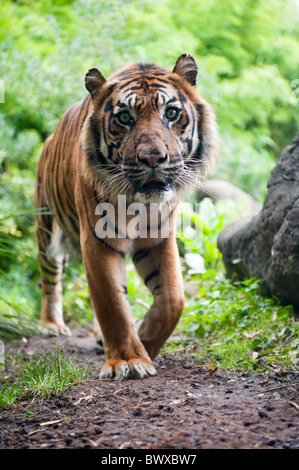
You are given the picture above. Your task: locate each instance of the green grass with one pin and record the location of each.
(8, 395)
(235, 327)
(41, 375)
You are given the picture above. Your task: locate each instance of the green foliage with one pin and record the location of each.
(139, 297)
(40, 376)
(234, 325)
(76, 300)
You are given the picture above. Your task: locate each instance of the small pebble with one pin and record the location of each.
(195, 385)
(99, 421)
(262, 414)
(270, 408)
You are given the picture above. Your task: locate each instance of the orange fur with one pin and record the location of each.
(143, 122)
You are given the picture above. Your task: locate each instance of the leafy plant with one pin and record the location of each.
(233, 324)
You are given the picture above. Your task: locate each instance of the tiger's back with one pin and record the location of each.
(56, 172)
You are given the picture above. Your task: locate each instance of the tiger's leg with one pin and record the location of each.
(125, 355)
(51, 264)
(96, 330)
(160, 268)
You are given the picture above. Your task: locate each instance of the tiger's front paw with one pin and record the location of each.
(119, 369)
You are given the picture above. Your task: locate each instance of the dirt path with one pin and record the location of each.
(185, 406)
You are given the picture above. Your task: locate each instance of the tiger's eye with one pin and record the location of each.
(171, 114)
(124, 117)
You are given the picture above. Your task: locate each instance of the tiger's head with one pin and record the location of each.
(148, 135)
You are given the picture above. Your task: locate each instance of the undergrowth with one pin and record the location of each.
(235, 327)
(40, 376)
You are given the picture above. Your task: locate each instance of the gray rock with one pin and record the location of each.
(266, 245)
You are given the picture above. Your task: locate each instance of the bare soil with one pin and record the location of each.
(185, 406)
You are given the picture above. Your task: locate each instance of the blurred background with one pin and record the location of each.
(248, 56)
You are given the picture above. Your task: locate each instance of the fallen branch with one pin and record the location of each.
(274, 389)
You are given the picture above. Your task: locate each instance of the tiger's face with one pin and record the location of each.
(149, 135)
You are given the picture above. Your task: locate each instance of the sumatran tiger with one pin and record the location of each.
(144, 134)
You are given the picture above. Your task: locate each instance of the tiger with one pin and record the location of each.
(145, 134)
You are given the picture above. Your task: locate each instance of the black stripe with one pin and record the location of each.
(63, 216)
(97, 156)
(156, 85)
(176, 160)
(140, 79)
(182, 97)
(175, 169)
(47, 271)
(52, 183)
(54, 176)
(50, 283)
(151, 276)
(108, 106)
(74, 217)
(51, 188)
(87, 110)
(47, 260)
(149, 67)
(140, 254)
(198, 151)
(156, 287)
(127, 83)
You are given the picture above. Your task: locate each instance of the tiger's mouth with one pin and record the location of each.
(154, 190)
(155, 183)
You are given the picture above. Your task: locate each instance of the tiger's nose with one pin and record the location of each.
(152, 160)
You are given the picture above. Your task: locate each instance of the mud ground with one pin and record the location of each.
(185, 406)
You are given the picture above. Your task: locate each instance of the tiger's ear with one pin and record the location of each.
(94, 80)
(186, 67)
